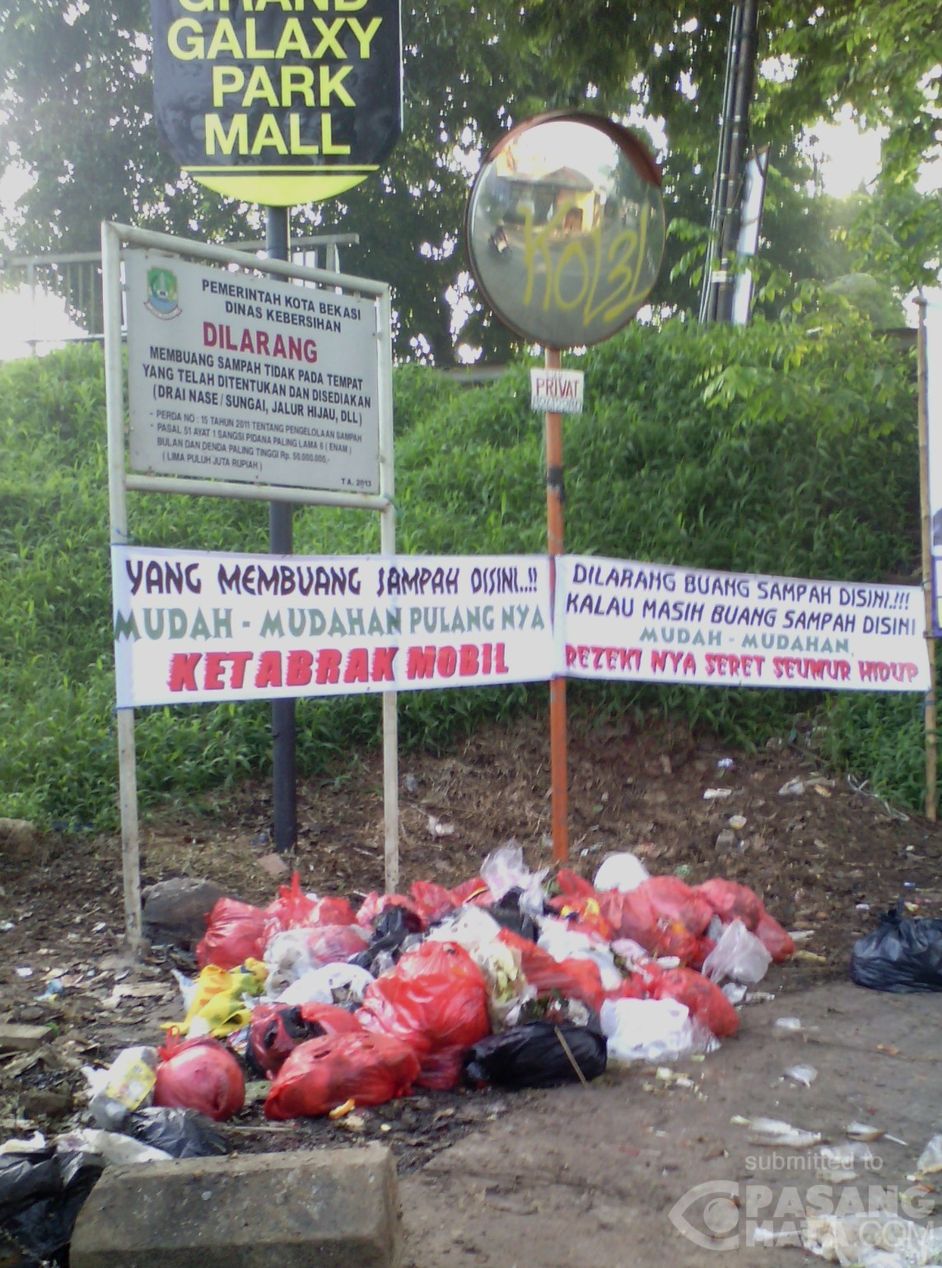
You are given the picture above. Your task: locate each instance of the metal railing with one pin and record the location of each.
(75, 277)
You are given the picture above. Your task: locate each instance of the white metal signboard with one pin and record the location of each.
(248, 379)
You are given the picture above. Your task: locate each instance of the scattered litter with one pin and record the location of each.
(716, 794)
(803, 1075)
(801, 935)
(794, 788)
(725, 763)
(126, 1085)
(788, 1025)
(840, 1163)
(53, 990)
(773, 1131)
(437, 828)
(930, 1160)
(863, 1131)
(737, 822)
(24, 971)
(858, 1239)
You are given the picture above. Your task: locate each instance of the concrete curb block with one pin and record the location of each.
(326, 1207)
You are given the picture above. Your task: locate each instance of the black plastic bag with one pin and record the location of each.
(182, 1133)
(535, 1055)
(507, 913)
(900, 955)
(41, 1193)
(390, 930)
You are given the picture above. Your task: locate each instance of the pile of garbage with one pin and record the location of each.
(513, 979)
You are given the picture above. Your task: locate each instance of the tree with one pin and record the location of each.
(76, 113)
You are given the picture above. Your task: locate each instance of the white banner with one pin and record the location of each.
(195, 626)
(236, 377)
(660, 623)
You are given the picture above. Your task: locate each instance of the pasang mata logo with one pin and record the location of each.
(162, 294)
(725, 1215)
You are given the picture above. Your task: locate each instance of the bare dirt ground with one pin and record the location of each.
(825, 856)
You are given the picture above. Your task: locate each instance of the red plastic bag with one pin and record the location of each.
(572, 978)
(324, 1073)
(732, 901)
(436, 997)
(291, 909)
(573, 885)
(675, 900)
(331, 911)
(332, 944)
(201, 1075)
(431, 901)
(234, 933)
(441, 1071)
(776, 940)
(474, 890)
(374, 904)
(277, 1029)
(703, 998)
(633, 915)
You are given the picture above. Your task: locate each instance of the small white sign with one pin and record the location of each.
(556, 391)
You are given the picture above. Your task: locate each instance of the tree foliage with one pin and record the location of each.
(76, 114)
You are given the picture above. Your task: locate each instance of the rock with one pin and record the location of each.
(337, 1207)
(176, 910)
(19, 839)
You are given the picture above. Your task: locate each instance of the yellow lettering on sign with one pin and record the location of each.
(268, 137)
(331, 85)
(235, 141)
(329, 38)
(185, 39)
(293, 82)
(260, 88)
(364, 38)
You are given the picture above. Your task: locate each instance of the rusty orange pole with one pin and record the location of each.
(555, 498)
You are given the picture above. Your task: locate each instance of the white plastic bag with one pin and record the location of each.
(564, 943)
(738, 956)
(650, 1030)
(504, 869)
(328, 985)
(294, 952)
(112, 1147)
(623, 872)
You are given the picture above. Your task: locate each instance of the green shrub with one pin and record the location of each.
(775, 449)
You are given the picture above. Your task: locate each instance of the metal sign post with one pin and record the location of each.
(284, 793)
(565, 233)
(175, 301)
(559, 741)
